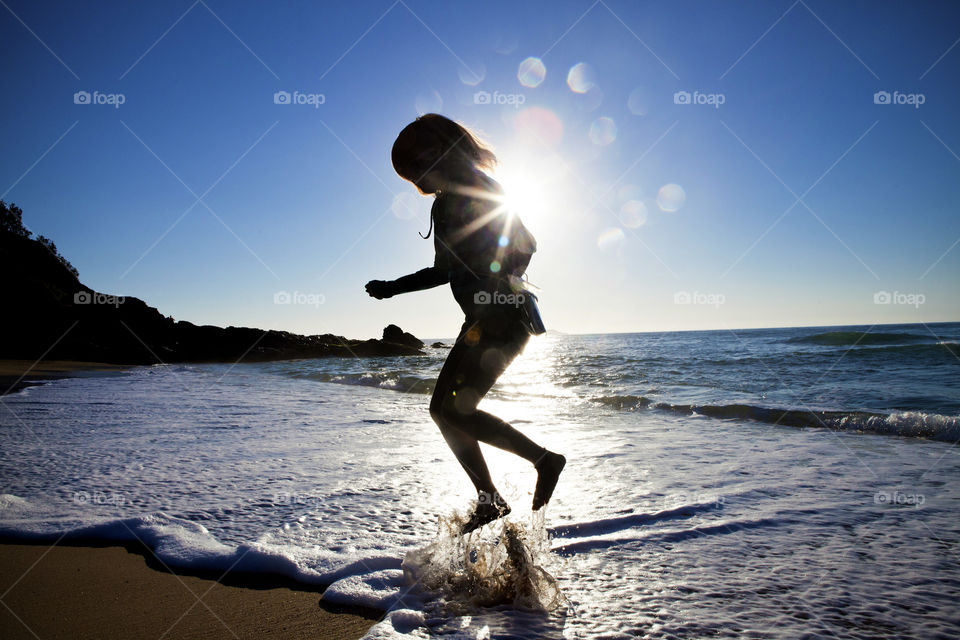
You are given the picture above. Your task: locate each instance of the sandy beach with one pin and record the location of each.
(115, 592)
(17, 374)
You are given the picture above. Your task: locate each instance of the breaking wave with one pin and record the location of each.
(402, 381)
(914, 424)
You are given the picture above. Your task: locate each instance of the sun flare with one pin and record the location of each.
(529, 187)
(523, 195)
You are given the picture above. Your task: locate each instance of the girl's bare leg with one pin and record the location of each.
(467, 375)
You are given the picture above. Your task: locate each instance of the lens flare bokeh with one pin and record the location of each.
(633, 214)
(580, 78)
(603, 131)
(671, 197)
(531, 72)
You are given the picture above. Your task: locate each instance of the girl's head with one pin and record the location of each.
(434, 150)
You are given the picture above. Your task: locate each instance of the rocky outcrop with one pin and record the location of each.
(50, 314)
(395, 335)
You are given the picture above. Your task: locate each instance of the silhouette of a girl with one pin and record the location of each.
(481, 250)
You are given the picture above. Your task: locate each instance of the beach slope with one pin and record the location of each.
(113, 592)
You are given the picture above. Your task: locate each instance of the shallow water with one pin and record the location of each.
(666, 523)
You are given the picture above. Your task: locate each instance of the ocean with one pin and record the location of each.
(766, 483)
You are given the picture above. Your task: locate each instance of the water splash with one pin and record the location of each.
(499, 564)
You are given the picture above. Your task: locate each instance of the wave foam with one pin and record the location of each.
(393, 380)
(182, 544)
(913, 424)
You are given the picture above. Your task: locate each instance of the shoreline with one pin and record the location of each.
(86, 589)
(16, 375)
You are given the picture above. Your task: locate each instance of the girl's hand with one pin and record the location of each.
(379, 289)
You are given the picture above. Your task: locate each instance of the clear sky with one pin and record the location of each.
(780, 189)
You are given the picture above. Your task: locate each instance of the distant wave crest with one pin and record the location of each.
(837, 338)
(401, 381)
(915, 424)
(917, 350)
(624, 402)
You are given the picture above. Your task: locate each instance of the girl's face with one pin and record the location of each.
(432, 179)
(431, 182)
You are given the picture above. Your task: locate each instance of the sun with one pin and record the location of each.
(523, 197)
(526, 191)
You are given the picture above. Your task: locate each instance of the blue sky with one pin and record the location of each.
(804, 200)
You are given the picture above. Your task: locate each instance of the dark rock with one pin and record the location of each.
(51, 314)
(438, 345)
(393, 333)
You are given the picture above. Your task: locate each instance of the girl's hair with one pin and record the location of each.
(434, 141)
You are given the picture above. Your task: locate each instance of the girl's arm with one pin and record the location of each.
(423, 279)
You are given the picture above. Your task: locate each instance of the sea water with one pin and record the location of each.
(751, 483)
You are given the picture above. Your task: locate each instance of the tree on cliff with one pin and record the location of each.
(11, 222)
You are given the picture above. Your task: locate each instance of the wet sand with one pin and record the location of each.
(121, 592)
(17, 374)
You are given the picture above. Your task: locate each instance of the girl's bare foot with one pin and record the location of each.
(490, 507)
(548, 472)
